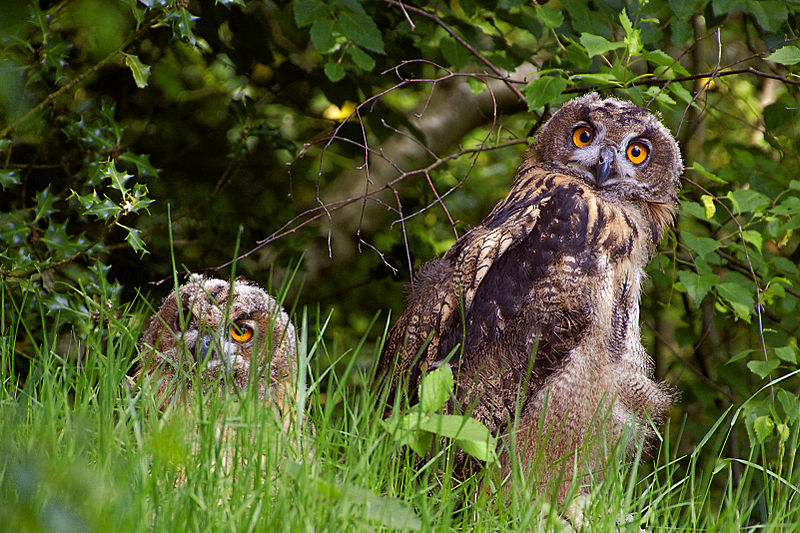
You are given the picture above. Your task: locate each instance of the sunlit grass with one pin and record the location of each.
(81, 450)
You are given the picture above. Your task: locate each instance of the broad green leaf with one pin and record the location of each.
(790, 404)
(362, 30)
(770, 14)
(739, 296)
(361, 58)
(552, 18)
(787, 353)
(633, 40)
(708, 205)
(140, 71)
(749, 201)
(473, 437)
(702, 246)
(696, 285)
(543, 90)
(754, 238)
(307, 11)
(785, 55)
(435, 389)
(762, 368)
(763, 426)
(596, 45)
(322, 34)
(334, 71)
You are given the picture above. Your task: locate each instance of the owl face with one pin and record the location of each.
(617, 148)
(218, 332)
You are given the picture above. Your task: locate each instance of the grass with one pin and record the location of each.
(81, 451)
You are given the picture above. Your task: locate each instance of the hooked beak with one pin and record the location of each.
(605, 165)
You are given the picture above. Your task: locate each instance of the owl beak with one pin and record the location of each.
(202, 347)
(605, 165)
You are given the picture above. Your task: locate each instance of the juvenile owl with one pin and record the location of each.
(539, 303)
(212, 334)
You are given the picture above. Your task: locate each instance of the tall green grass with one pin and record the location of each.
(80, 450)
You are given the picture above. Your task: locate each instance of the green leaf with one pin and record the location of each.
(118, 179)
(763, 426)
(754, 238)
(361, 58)
(596, 45)
(697, 167)
(702, 246)
(44, 204)
(551, 18)
(762, 368)
(739, 296)
(140, 71)
(785, 55)
(543, 91)
(697, 285)
(307, 11)
(134, 239)
(322, 34)
(749, 201)
(787, 353)
(435, 389)
(362, 30)
(9, 178)
(334, 71)
(473, 437)
(770, 14)
(790, 404)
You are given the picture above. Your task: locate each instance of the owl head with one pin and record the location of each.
(622, 151)
(212, 333)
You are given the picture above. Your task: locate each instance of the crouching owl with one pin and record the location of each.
(211, 333)
(537, 307)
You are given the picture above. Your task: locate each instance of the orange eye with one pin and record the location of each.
(582, 136)
(637, 152)
(241, 332)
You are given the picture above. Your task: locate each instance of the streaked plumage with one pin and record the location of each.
(541, 299)
(205, 335)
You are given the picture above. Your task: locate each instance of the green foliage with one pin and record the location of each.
(418, 427)
(134, 130)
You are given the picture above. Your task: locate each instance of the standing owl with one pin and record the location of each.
(211, 333)
(537, 307)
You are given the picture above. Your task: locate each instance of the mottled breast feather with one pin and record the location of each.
(514, 295)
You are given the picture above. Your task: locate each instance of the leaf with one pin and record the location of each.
(763, 426)
(362, 30)
(543, 91)
(711, 176)
(708, 205)
(551, 18)
(322, 35)
(596, 45)
(762, 368)
(739, 297)
(787, 353)
(134, 240)
(473, 437)
(785, 55)
(697, 286)
(307, 11)
(749, 201)
(435, 389)
(334, 71)
(140, 71)
(702, 246)
(9, 178)
(361, 58)
(790, 404)
(754, 238)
